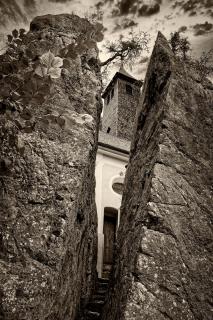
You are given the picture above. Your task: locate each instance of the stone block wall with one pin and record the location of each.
(110, 115)
(119, 113)
(163, 265)
(49, 115)
(127, 107)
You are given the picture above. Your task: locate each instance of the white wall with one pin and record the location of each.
(110, 168)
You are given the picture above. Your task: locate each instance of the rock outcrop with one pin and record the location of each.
(49, 115)
(163, 268)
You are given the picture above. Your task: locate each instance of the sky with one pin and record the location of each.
(193, 17)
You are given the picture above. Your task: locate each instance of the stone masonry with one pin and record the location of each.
(127, 107)
(119, 112)
(110, 115)
(163, 268)
(48, 132)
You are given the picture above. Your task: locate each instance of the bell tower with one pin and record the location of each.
(121, 98)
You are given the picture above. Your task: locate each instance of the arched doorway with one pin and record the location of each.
(109, 231)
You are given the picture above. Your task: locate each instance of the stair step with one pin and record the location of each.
(101, 293)
(106, 274)
(102, 285)
(95, 306)
(100, 297)
(90, 315)
(103, 280)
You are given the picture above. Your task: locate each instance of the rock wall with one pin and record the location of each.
(163, 267)
(49, 115)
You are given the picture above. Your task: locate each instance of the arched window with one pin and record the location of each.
(118, 184)
(118, 187)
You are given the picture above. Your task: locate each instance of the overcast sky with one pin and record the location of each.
(193, 17)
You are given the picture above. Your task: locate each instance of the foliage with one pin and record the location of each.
(26, 79)
(204, 64)
(180, 45)
(94, 16)
(49, 65)
(175, 41)
(34, 89)
(185, 47)
(20, 81)
(83, 42)
(127, 50)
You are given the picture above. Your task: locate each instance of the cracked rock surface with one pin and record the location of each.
(47, 208)
(163, 267)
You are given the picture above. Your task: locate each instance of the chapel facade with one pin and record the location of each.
(121, 98)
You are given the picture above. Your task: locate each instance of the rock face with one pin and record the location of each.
(163, 267)
(49, 114)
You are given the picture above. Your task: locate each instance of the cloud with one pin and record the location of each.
(140, 7)
(192, 7)
(11, 10)
(126, 23)
(60, 1)
(182, 29)
(148, 10)
(30, 6)
(144, 60)
(210, 12)
(141, 71)
(202, 28)
(127, 6)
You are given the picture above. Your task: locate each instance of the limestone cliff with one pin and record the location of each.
(163, 269)
(49, 114)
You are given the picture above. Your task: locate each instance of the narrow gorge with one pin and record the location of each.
(50, 109)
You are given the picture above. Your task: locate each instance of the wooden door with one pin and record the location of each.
(109, 239)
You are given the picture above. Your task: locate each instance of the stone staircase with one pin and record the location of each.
(95, 305)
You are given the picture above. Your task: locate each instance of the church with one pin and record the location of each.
(121, 97)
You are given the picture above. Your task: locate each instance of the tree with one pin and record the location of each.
(180, 45)
(204, 64)
(175, 41)
(184, 47)
(126, 50)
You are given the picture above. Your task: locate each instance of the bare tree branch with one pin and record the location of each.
(127, 50)
(110, 59)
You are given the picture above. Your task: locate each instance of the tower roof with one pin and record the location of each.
(124, 72)
(121, 74)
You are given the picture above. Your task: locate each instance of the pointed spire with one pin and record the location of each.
(124, 72)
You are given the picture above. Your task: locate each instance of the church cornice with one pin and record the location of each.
(122, 76)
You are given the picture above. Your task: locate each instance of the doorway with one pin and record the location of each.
(109, 230)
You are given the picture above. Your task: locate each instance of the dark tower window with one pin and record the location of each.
(108, 98)
(128, 89)
(112, 93)
(108, 130)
